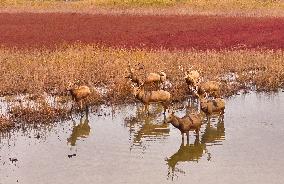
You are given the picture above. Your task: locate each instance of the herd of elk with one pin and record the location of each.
(207, 92)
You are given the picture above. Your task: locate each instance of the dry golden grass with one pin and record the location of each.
(37, 110)
(45, 71)
(231, 7)
(148, 3)
(42, 115)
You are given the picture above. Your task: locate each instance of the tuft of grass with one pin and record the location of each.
(5, 123)
(43, 114)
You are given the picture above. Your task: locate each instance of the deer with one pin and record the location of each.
(209, 88)
(147, 97)
(79, 93)
(156, 78)
(185, 124)
(213, 106)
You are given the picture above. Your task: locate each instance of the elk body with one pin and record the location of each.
(186, 123)
(147, 97)
(156, 78)
(215, 106)
(79, 93)
(211, 88)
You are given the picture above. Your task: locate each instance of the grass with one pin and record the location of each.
(5, 123)
(49, 71)
(38, 74)
(267, 7)
(202, 4)
(41, 115)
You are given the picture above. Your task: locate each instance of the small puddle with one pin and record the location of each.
(123, 145)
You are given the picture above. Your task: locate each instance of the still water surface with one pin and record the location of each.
(122, 145)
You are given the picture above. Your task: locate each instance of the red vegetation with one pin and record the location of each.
(179, 32)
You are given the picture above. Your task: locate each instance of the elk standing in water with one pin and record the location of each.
(186, 123)
(79, 93)
(147, 97)
(151, 78)
(214, 106)
(209, 88)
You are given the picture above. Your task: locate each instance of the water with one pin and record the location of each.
(122, 145)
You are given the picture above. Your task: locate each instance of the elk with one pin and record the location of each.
(211, 88)
(214, 106)
(78, 93)
(158, 78)
(186, 123)
(147, 97)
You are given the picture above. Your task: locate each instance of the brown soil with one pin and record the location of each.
(171, 32)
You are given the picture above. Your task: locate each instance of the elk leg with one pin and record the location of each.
(147, 109)
(165, 108)
(187, 137)
(164, 121)
(197, 131)
(220, 117)
(81, 104)
(72, 106)
(208, 118)
(163, 85)
(182, 143)
(222, 114)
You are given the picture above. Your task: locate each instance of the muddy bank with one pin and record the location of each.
(134, 31)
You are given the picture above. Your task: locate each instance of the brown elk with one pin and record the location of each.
(78, 93)
(147, 97)
(214, 106)
(209, 88)
(185, 124)
(156, 78)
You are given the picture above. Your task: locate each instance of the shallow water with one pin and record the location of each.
(122, 145)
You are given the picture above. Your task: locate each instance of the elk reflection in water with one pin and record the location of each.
(146, 127)
(82, 130)
(213, 135)
(187, 152)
